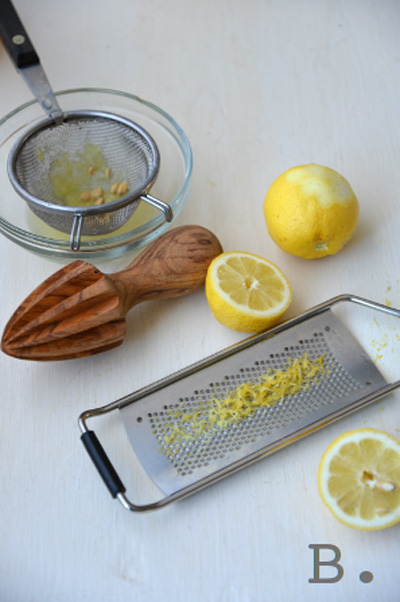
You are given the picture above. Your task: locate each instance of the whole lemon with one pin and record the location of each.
(311, 211)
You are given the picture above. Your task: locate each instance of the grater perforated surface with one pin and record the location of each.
(348, 375)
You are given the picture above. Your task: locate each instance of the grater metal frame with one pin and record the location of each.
(111, 477)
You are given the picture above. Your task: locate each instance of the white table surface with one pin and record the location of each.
(258, 86)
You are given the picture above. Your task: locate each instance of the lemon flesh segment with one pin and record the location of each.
(246, 292)
(250, 283)
(359, 479)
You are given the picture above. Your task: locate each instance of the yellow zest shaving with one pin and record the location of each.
(243, 401)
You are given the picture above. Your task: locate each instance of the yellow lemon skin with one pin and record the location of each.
(246, 292)
(311, 211)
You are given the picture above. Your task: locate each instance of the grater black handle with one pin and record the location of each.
(102, 463)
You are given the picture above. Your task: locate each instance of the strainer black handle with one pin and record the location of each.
(25, 59)
(15, 38)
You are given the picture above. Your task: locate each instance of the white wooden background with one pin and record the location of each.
(258, 86)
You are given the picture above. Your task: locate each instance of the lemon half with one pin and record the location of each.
(359, 479)
(246, 292)
(311, 211)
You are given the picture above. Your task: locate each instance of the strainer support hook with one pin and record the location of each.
(158, 204)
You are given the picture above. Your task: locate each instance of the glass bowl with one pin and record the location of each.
(19, 223)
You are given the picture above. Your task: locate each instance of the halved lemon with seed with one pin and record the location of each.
(246, 292)
(359, 479)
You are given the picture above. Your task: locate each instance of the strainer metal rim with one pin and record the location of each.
(80, 209)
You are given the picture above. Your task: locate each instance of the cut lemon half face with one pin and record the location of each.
(359, 479)
(246, 292)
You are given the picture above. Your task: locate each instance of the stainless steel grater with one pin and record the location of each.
(350, 381)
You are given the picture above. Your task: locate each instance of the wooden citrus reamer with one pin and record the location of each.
(80, 311)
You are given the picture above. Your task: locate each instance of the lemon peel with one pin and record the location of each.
(241, 402)
(311, 211)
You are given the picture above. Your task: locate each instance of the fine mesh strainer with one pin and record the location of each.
(179, 468)
(127, 149)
